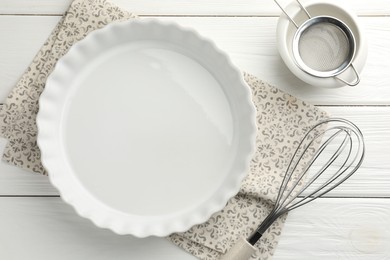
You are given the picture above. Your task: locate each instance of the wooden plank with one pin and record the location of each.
(194, 7)
(372, 179)
(356, 229)
(47, 228)
(249, 41)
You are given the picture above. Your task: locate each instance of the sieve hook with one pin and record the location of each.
(289, 17)
(352, 84)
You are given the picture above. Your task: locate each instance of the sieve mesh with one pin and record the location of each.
(324, 47)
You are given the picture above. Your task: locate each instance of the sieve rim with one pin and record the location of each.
(316, 20)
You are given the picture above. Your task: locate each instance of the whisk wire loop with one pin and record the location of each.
(339, 155)
(315, 194)
(296, 162)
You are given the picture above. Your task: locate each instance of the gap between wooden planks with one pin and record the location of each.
(251, 43)
(189, 7)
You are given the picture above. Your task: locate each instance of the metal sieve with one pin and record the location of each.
(323, 46)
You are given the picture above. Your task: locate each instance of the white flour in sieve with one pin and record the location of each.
(323, 46)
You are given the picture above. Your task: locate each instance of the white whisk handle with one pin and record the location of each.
(242, 250)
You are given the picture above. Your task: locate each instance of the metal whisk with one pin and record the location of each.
(329, 153)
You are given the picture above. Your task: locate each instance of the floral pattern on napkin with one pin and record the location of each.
(282, 120)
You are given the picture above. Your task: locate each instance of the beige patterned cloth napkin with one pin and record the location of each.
(281, 119)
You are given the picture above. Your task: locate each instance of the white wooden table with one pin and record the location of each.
(353, 222)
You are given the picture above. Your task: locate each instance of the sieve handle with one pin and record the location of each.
(289, 17)
(354, 83)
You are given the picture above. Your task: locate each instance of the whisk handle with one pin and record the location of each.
(242, 250)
